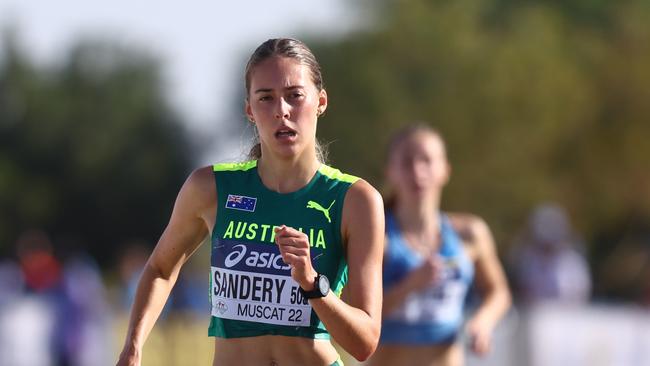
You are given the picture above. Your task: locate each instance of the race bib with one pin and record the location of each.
(439, 303)
(251, 282)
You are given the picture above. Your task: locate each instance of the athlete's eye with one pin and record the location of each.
(296, 95)
(265, 98)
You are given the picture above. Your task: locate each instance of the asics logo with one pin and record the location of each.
(254, 258)
(239, 251)
(326, 211)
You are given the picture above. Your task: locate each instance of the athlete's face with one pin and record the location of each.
(418, 167)
(284, 104)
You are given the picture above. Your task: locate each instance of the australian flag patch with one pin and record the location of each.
(242, 203)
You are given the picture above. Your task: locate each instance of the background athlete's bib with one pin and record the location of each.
(436, 303)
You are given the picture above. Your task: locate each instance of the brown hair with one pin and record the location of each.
(407, 131)
(290, 48)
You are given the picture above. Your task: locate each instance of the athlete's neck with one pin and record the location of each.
(419, 217)
(287, 175)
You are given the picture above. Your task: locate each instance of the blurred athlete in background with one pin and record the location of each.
(430, 260)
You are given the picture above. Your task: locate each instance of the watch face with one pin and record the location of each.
(323, 284)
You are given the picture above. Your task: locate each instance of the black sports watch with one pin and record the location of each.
(321, 288)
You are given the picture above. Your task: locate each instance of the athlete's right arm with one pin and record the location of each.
(194, 211)
(422, 277)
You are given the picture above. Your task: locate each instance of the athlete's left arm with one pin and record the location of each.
(354, 325)
(491, 282)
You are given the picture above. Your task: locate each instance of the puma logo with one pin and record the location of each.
(326, 211)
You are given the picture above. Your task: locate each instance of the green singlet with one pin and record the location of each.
(251, 289)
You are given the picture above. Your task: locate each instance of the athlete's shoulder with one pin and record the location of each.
(363, 199)
(470, 227)
(200, 182)
(234, 167)
(198, 192)
(333, 173)
(465, 220)
(364, 190)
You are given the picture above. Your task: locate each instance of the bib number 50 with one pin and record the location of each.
(296, 296)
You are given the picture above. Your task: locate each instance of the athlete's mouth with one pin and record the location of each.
(285, 132)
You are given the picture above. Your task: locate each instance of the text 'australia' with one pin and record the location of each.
(266, 233)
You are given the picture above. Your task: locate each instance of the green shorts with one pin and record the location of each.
(338, 362)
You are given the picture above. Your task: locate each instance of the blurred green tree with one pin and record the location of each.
(538, 101)
(90, 151)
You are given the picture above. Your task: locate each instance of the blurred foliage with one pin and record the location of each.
(90, 150)
(537, 101)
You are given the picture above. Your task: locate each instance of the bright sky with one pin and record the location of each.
(202, 43)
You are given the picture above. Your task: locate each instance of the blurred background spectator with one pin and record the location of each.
(548, 263)
(84, 320)
(40, 269)
(52, 312)
(129, 267)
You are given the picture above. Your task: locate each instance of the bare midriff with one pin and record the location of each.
(273, 351)
(427, 355)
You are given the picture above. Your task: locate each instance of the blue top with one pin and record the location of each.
(432, 315)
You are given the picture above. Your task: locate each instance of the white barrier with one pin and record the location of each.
(553, 335)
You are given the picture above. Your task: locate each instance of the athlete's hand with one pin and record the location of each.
(294, 248)
(129, 357)
(428, 274)
(480, 335)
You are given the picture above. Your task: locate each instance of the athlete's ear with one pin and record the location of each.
(248, 111)
(322, 102)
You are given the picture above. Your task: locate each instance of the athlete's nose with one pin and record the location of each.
(420, 171)
(282, 109)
